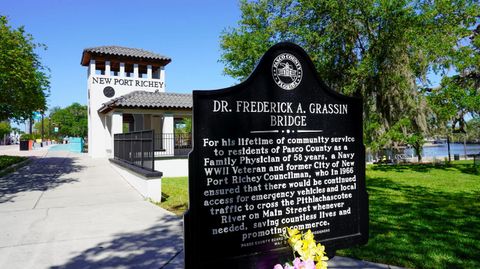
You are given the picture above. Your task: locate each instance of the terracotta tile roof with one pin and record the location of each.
(144, 99)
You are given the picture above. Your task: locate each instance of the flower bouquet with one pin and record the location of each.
(306, 252)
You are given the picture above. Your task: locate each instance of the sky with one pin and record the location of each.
(187, 31)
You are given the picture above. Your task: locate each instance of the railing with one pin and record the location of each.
(173, 145)
(136, 148)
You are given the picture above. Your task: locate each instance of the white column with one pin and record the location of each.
(149, 71)
(96, 143)
(122, 70)
(117, 123)
(107, 126)
(107, 68)
(117, 128)
(168, 135)
(91, 68)
(162, 77)
(135, 70)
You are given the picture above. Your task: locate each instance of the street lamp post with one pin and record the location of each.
(42, 129)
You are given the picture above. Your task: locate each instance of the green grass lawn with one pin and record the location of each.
(6, 161)
(175, 194)
(421, 216)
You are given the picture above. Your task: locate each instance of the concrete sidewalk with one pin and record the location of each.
(66, 210)
(14, 150)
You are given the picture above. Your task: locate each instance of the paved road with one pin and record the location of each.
(66, 210)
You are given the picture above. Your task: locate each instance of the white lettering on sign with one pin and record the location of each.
(281, 113)
(252, 187)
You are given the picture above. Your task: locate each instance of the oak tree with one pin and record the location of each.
(381, 50)
(24, 83)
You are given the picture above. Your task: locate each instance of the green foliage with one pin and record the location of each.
(452, 101)
(187, 129)
(28, 137)
(24, 83)
(71, 121)
(188, 125)
(473, 130)
(47, 127)
(459, 95)
(381, 50)
(4, 128)
(6, 161)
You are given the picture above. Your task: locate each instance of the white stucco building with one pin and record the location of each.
(126, 92)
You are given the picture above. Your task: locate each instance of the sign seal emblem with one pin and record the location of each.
(287, 71)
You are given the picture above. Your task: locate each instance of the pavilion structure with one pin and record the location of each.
(126, 93)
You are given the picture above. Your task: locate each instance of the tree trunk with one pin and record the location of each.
(30, 121)
(419, 157)
(418, 151)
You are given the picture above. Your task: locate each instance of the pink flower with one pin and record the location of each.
(298, 264)
(279, 266)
